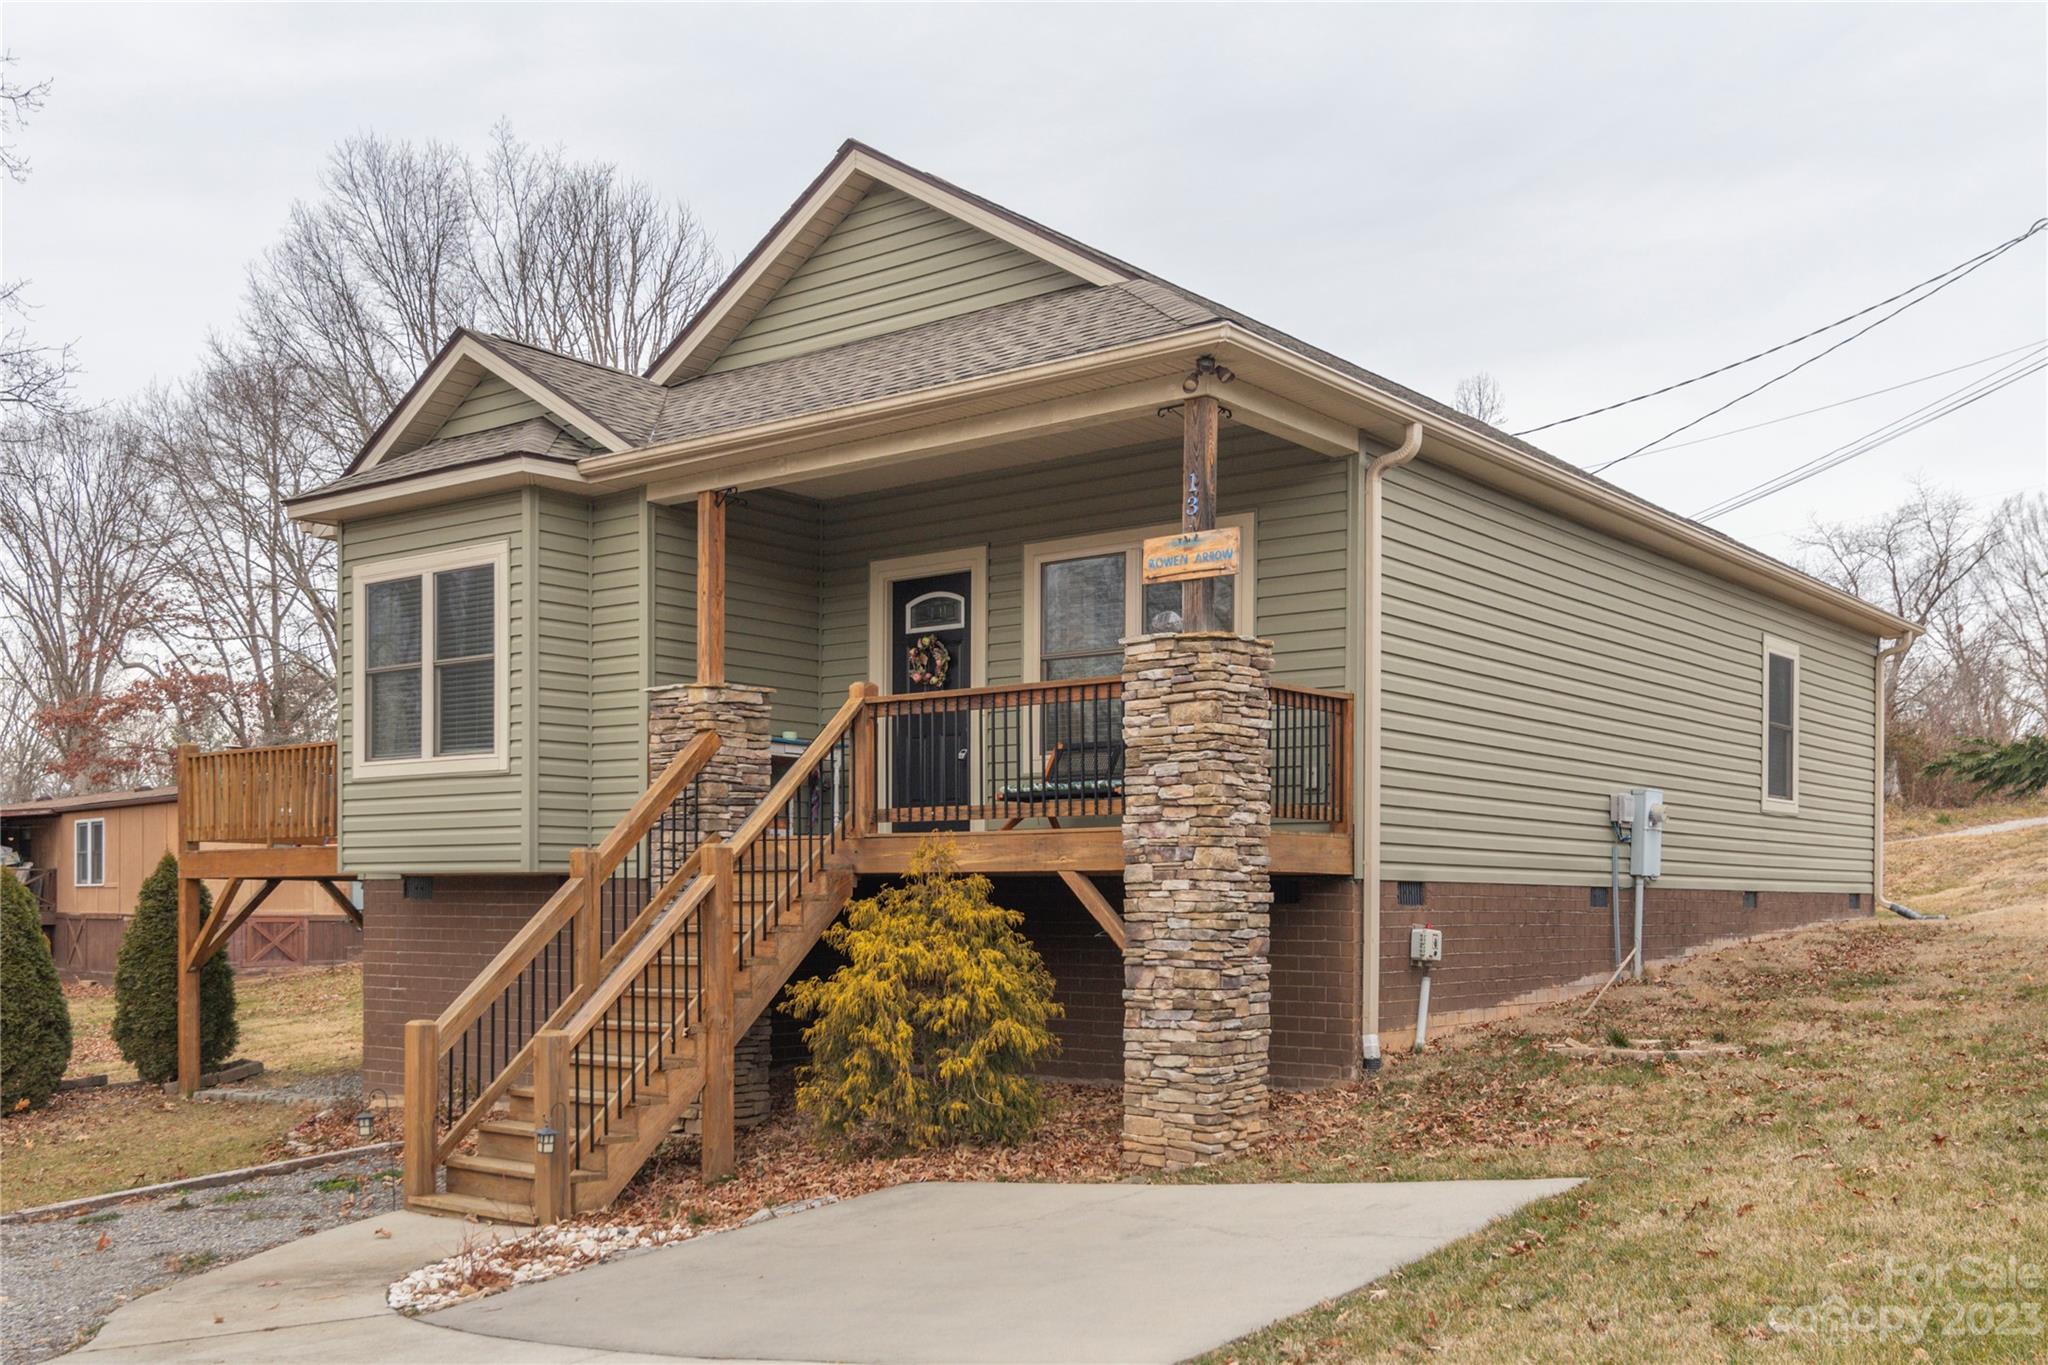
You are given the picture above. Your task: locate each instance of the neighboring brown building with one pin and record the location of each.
(86, 858)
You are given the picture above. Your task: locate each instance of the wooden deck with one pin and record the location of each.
(255, 819)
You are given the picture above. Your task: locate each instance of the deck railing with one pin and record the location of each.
(284, 794)
(1311, 756)
(1055, 751)
(463, 1062)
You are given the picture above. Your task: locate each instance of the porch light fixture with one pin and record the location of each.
(544, 1136)
(1206, 365)
(366, 1121)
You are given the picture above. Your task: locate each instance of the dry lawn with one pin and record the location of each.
(299, 1024)
(1907, 822)
(1890, 1108)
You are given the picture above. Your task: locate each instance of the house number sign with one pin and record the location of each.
(1193, 554)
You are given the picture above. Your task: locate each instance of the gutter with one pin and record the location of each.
(1878, 902)
(1365, 633)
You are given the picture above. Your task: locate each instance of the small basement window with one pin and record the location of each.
(1781, 726)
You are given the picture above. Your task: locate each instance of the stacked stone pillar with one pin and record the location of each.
(731, 787)
(1198, 899)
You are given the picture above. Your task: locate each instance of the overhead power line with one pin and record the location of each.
(1970, 264)
(1845, 402)
(1952, 402)
(1826, 351)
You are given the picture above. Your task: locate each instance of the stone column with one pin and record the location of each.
(1197, 898)
(731, 787)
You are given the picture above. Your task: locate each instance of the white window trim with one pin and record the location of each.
(78, 863)
(1132, 541)
(1778, 805)
(885, 573)
(498, 555)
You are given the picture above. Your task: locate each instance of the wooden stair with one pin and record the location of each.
(494, 1183)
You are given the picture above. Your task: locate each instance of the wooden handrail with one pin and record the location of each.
(1304, 691)
(799, 772)
(651, 945)
(893, 700)
(558, 908)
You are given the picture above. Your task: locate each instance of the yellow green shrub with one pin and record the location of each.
(931, 1031)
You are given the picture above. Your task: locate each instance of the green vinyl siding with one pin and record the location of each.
(620, 540)
(771, 600)
(1532, 666)
(467, 822)
(893, 262)
(1297, 499)
(491, 404)
(560, 612)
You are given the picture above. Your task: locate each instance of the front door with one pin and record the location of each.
(928, 650)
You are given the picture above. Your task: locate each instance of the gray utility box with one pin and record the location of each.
(1425, 944)
(1640, 810)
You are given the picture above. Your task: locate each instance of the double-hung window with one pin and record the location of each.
(1084, 596)
(89, 852)
(431, 662)
(1781, 725)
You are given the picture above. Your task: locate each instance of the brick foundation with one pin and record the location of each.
(1525, 944)
(418, 955)
(1197, 899)
(1316, 1006)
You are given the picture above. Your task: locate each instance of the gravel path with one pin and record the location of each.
(336, 1088)
(59, 1285)
(1979, 831)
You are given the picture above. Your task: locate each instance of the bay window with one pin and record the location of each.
(431, 662)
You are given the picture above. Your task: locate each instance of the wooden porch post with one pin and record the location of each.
(188, 937)
(710, 587)
(721, 952)
(422, 1098)
(551, 1078)
(1198, 503)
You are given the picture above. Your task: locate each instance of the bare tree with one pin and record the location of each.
(1479, 395)
(570, 256)
(34, 378)
(1914, 561)
(250, 589)
(82, 571)
(2016, 597)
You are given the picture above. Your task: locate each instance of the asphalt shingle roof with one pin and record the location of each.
(534, 436)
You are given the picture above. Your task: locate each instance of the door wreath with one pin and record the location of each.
(927, 662)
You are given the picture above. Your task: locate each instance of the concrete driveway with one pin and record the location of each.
(1000, 1272)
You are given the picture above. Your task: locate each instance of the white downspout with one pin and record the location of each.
(1884, 656)
(1365, 637)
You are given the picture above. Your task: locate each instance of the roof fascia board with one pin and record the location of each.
(690, 354)
(1050, 417)
(485, 476)
(899, 409)
(1572, 494)
(465, 346)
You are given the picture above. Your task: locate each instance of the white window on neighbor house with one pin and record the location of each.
(1083, 596)
(89, 853)
(431, 663)
(1781, 725)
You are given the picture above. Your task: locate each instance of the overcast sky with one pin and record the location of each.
(1586, 202)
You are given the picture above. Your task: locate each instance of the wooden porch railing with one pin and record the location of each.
(459, 1065)
(1311, 756)
(285, 794)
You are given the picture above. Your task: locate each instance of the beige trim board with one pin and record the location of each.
(467, 481)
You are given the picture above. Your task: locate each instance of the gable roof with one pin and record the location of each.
(594, 400)
(805, 225)
(536, 436)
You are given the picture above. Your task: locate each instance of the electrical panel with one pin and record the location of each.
(1425, 944)
(1646, 836)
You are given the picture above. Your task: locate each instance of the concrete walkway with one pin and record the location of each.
(1002, 1272)
(993, 1272)
(318, 1300)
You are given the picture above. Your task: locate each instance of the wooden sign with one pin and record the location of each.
(1193, 554)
